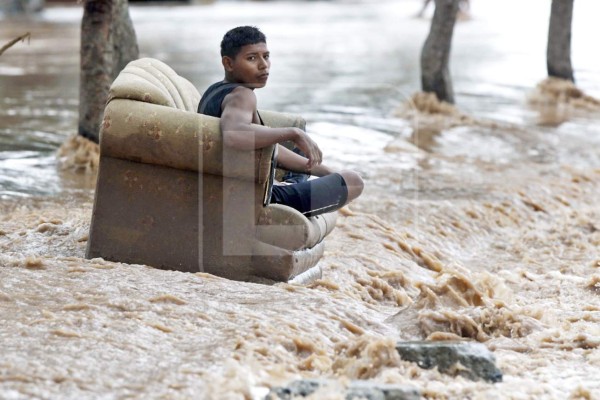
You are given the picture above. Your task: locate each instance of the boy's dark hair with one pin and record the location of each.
(238, 37)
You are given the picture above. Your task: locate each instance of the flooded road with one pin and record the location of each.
(478, 222)
(344, 63)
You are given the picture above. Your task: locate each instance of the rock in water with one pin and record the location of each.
(366, 390)
(379, 391)
(469, 359)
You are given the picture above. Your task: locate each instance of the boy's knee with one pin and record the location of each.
(354, 179)
(354, 183)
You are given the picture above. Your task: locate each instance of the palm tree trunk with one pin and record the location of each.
(435, 73)
(559, 40)
(125, 47)
(108, 43)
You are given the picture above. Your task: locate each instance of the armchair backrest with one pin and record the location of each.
(152, 81)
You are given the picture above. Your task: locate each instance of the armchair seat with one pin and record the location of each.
(171, 196)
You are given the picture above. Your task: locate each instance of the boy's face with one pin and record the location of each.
(250, 66)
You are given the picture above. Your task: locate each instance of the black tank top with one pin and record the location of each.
(210, 103)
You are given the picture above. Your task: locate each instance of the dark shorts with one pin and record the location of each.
(313, 197)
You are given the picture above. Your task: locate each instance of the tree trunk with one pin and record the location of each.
(108, 43)
(125, 47)
(559, 40)
(435, 75)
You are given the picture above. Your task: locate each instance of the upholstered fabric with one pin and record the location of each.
(159, 135)
(152, 81)
(282, 265)
(282, 226)
(170, 195)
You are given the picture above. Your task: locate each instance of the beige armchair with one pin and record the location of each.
(171, 196)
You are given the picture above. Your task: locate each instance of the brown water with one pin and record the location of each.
(480, 222)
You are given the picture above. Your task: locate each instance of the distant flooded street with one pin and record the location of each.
(317, 70)
(480, 222)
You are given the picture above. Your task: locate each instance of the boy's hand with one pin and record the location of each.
(309, 147)
(322, 170)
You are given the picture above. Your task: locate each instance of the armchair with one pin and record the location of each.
(171, 196)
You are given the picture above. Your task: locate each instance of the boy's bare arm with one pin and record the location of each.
(239, 132)
(291, 161)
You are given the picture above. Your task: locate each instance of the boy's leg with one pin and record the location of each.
(321, 195)
(354, 184)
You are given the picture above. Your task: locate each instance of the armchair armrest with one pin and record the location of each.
(282, 120)
(161, 135)
(282, 226)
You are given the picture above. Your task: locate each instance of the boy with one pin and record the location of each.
(245, 58)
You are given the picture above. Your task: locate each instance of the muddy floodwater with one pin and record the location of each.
(480, 222)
